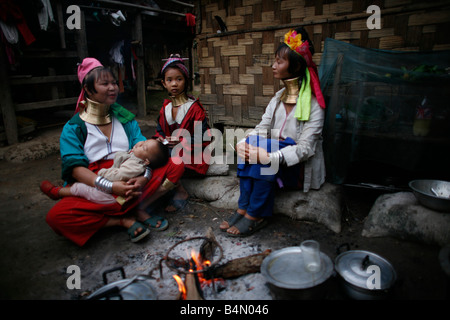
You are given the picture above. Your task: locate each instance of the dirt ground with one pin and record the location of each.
(35, 260)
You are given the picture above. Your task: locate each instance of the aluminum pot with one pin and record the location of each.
(364, 275)
(136, 288)
(288, 279)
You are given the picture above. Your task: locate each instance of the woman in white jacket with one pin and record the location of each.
(285, 148)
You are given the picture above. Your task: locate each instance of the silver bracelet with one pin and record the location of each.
(276, 156)
(148, 173)
(103, 184)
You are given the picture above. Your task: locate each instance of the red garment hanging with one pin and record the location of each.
(190, 21)
(11, 13)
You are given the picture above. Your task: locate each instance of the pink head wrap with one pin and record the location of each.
(84, 68)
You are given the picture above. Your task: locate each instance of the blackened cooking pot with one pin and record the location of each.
(288, 280)
(364, 275)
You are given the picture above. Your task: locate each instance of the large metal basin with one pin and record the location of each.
(422, 189)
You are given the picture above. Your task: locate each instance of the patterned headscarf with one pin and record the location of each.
(312, 84)
(179, 63)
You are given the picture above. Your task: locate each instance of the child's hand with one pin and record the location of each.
(173, 141)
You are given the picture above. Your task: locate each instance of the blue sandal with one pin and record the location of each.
(153, 221)
(141, 235)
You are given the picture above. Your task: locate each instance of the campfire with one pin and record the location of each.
(195, 262)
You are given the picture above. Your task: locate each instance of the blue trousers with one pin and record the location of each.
(257, 189)
(257, 197)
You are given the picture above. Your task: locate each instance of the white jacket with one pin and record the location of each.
(307, 135)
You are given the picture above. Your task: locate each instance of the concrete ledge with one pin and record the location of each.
(400, 215)
(321, 206)
(42, 147)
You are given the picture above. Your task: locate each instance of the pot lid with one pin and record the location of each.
(355, 267)
(137, 288)
(284, 269)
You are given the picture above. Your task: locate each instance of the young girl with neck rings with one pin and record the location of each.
(180, 117)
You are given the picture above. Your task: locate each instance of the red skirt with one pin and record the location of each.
(79, 219)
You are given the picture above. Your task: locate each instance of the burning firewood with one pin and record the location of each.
(208, 248)
(238, 267)
(231, 269)
(192, 292)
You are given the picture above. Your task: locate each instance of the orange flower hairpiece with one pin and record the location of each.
(293, 40)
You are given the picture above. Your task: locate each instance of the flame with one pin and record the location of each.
(181, 286)
(198, 260)
(198, 264)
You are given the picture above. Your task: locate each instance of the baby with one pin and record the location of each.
(150, 153)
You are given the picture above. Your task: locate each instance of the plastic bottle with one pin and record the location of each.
(422, 120)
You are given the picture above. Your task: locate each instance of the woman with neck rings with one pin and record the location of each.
(88, 142)
(284, 151)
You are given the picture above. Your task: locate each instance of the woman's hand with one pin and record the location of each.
(242, 150)
(122, 188)
(136, 185)
(258, 155)
(252, 154)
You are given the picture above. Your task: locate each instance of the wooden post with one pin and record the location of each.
(61, 24)
(82, 47)
(140, 72)
(6, 102)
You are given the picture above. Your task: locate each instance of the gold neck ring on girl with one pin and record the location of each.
(179, 100)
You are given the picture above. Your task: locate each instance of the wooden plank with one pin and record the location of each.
(140, 69)
(81, 39)
(49, 54)
(45, 104)
(39, 80)
(429, 18)
(7, 106)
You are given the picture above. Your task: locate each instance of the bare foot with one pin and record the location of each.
(180, 194)
(225, 226)
(142, 215)
(128, 222)
(235, 231)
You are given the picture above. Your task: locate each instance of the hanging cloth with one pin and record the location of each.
(190, 21)
(10, 32)
(11, 13)
(45, 15)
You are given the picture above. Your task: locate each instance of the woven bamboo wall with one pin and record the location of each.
(235, 66)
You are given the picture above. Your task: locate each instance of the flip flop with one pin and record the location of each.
(153, 221)
(235, 217)
(247, 227)
(178, 204)
(141, 235)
